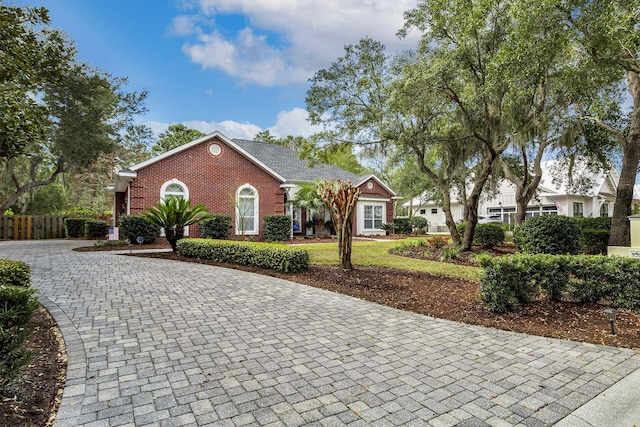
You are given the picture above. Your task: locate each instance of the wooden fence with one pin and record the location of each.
(32, 227)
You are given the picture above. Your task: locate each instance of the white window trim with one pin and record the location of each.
(163, 189)
(364, 219)
(256, 211)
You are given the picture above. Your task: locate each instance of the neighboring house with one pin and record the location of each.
(232, 176)
(591, 194)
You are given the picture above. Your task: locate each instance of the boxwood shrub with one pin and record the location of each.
(265, 255)
(488, 235)
(509, 281)
(74, 227)
(17, 304)
(95, 229)
(132, 226)
(217, 227)
(595, 241)
(14, 273)
(548, 234)
(277, 228)
(402, 225)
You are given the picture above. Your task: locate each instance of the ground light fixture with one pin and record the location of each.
(611, 317)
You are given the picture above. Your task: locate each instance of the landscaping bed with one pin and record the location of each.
(35, 397)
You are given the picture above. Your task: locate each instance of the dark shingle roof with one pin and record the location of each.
(285, 163)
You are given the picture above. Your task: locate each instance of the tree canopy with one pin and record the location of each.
(175, 136)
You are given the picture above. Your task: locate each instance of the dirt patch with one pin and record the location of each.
(34, 399)
(458, 300)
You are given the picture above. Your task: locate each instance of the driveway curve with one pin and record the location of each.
(155, 342)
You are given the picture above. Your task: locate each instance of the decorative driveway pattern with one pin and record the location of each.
(154, 342)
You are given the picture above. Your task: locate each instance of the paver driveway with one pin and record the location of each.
(155, 342)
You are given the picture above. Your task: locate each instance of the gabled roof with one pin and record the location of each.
(280, 162)
(287, 164)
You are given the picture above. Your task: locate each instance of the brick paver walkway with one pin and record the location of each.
(155, 342)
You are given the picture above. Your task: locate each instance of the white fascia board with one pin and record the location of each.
(200, 141)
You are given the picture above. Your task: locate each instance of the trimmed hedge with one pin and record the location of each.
(14, 273)
(132, 226)
(516, 279)
(265, 255)
(419, 223)
(595, 241)
(488, 235)
(217, 227)
(548, 234)
(17, 304)
(277, 228)
(74, 227)
(95, 229)
(402, 225)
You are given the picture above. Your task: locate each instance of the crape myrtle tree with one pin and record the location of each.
(341, 197)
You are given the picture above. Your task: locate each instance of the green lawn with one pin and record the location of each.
(375, 254)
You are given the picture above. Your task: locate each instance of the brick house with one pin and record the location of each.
(225, 174)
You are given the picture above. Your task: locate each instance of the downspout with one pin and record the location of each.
(129, 198)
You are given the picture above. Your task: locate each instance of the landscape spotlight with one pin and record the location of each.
(611, 317)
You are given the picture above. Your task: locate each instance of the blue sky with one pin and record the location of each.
(237, 66)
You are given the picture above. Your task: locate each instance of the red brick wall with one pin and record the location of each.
(211, 180)
(376, 191)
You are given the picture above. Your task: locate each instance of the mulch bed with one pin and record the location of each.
(35, 397)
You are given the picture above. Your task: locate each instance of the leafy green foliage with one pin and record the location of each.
(217, 227)
(264, 255)
(16, 306)
(595, 242)
(402, 225)
(277, 228)
(174, 214)
(548, 234)
(95, 229)
(513, 280)
(74, 227)
(14, 273)
(488, 235)
(175, 136)
(132, 226)
(419, 224)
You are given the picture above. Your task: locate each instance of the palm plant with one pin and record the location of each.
(308, 198)
(173, 214)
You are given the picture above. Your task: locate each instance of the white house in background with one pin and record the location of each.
(591, 194)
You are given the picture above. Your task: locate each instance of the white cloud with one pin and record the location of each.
(309, 35)
(228, 128)
(294, 122)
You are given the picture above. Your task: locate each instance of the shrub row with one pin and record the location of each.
(517, 279)
(265, 255)
(85, 227)
(17, 303)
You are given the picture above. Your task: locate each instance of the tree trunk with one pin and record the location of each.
(620, 231)
(345, 244)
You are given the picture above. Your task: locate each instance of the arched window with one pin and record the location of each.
(174, 188)
(247, 210)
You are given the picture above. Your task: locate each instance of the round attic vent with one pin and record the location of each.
(215, 149)
(370, 185)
